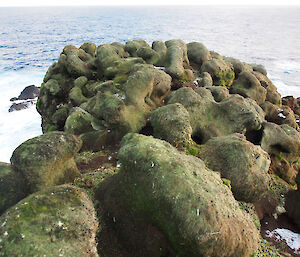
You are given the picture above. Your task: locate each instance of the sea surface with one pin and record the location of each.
(32, 38)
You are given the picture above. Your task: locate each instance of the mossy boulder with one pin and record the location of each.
(221, 72)
(248, 85)
(208, 118)
(219, 93)
(171, 123)
(148, 54)
(122, 67)
(197, 53)
(79, 121)
(176, 193)
(259, 68)
(89, 48)
(13, 187)
(58, 221)
(76, 96)
(283, 144)
(238, 66)
(134, 45)
(177, 62)
(272, 94)
(47, 160)
(244, 164)
(77, 62)
(204, 80)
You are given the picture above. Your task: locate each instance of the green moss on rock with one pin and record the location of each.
(47, 160)
(177, 194)
(58, 221)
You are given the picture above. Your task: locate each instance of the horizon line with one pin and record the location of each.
(160, 5)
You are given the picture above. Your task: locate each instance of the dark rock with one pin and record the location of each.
(293, 103)
(29, 92)
(292, 202)
(20, 106)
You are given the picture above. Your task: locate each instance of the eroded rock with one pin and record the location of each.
(176, 193)
(57, 221)
(47, 160)
(244, 164)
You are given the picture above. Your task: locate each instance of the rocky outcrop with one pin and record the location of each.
(221, 71)
(175, 193)
(26, 97)
(244, 164)
(47, 160)
(283, 144)
(58, 221)
(29, 92)
(208, 118)
(163, 202)
(248, 85)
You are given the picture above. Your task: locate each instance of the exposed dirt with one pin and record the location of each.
(269, 223)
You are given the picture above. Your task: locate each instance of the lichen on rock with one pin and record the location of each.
(58, 221)
(47, 160)
(177, 194)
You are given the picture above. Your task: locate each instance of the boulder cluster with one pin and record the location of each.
(199, 136)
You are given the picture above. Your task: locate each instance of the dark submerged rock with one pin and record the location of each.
(20, 106)
(29, 92)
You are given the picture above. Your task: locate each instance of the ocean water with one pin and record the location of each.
(32, 38)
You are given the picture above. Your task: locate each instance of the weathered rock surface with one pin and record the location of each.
(208, 118)
(279, 115)
(248, 85)
(197, 53)
(29, 92)
(58, 221)
(283, 144)
(172, 124)
(20, 106)
(47, 160)
(244, 164)
(176, 193)
(177, 61)
(221, 72)
(219, 93)
(13, 187)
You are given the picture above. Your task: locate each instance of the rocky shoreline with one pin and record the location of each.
(162, 150)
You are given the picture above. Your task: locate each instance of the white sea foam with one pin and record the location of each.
(284, 89)
(292, 239)
(18, 126)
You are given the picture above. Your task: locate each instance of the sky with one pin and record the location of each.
(146, 2)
